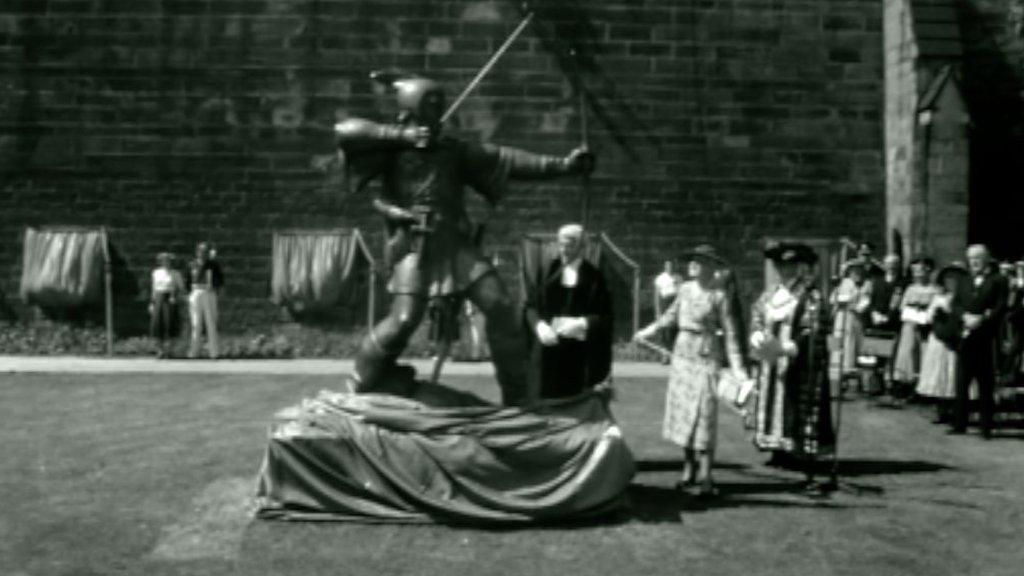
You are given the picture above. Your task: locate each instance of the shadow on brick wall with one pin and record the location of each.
(131, 317)
(7, 309)
(568, 32)
(993, 72)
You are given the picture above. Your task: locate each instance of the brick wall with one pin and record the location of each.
(170, 121)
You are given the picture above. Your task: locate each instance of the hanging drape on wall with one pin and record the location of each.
(312, 269)
(63, 267)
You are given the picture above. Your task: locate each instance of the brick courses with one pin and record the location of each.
(169, 121)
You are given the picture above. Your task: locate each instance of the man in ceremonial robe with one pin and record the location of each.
(788, 337)
(430, 243)
(570, 315)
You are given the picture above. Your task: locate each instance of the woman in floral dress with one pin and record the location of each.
(708, 337)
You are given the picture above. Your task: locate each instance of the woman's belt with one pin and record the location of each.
(699, 331)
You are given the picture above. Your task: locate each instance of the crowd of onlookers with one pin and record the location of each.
(916, 331)
(948, 334)
(945, 334)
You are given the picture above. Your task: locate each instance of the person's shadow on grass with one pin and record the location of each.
(762, 487)
(662, 504)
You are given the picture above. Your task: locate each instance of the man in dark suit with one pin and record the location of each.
(983, 312)
(569, 313)
(881, 322)
(886, 290)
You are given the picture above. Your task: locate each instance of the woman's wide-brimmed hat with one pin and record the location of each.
(957, 268)
(703, 253)
(853, 264)
(790, 252)
(925, 261)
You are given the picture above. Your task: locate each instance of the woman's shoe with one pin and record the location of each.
(682, 486)
(684, 483)
(815, 489)
(707, 493)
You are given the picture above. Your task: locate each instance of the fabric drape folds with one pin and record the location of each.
(312, 269)
(63, 267)
(377, 458)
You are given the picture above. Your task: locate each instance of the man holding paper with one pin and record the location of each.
(570, 316)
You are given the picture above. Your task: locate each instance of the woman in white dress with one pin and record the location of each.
(167, 287)
(914, 328)
(850, 300)
(938, 361)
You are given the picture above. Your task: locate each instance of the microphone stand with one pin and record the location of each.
(835, 484)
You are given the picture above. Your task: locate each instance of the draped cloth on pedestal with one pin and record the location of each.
(377, 458)
(63, 267)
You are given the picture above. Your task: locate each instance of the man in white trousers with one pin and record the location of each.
(205, 278)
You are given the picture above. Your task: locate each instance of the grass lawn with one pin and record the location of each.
(151, 474)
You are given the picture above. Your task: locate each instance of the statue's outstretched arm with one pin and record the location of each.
(358, 134)
(525, 165)
(488, 168)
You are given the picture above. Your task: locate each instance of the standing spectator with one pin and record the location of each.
(708, 337)
(1013, 338)
(205, 279)
(914, 329)
(886, 292)
(167, 288)
(850, 301)
(725, 279)
(1016, 286)
(983, 311)
(666, 285)
(570, 313)
(866, 255)
(1008, 333)
(881, 321)
(1006, 270)
(939, 358)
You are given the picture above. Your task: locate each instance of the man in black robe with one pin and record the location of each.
(569, 312)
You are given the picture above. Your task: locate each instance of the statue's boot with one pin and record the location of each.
(377, 370)
(509, 355)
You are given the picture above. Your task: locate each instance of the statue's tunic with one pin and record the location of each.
(432, 181)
